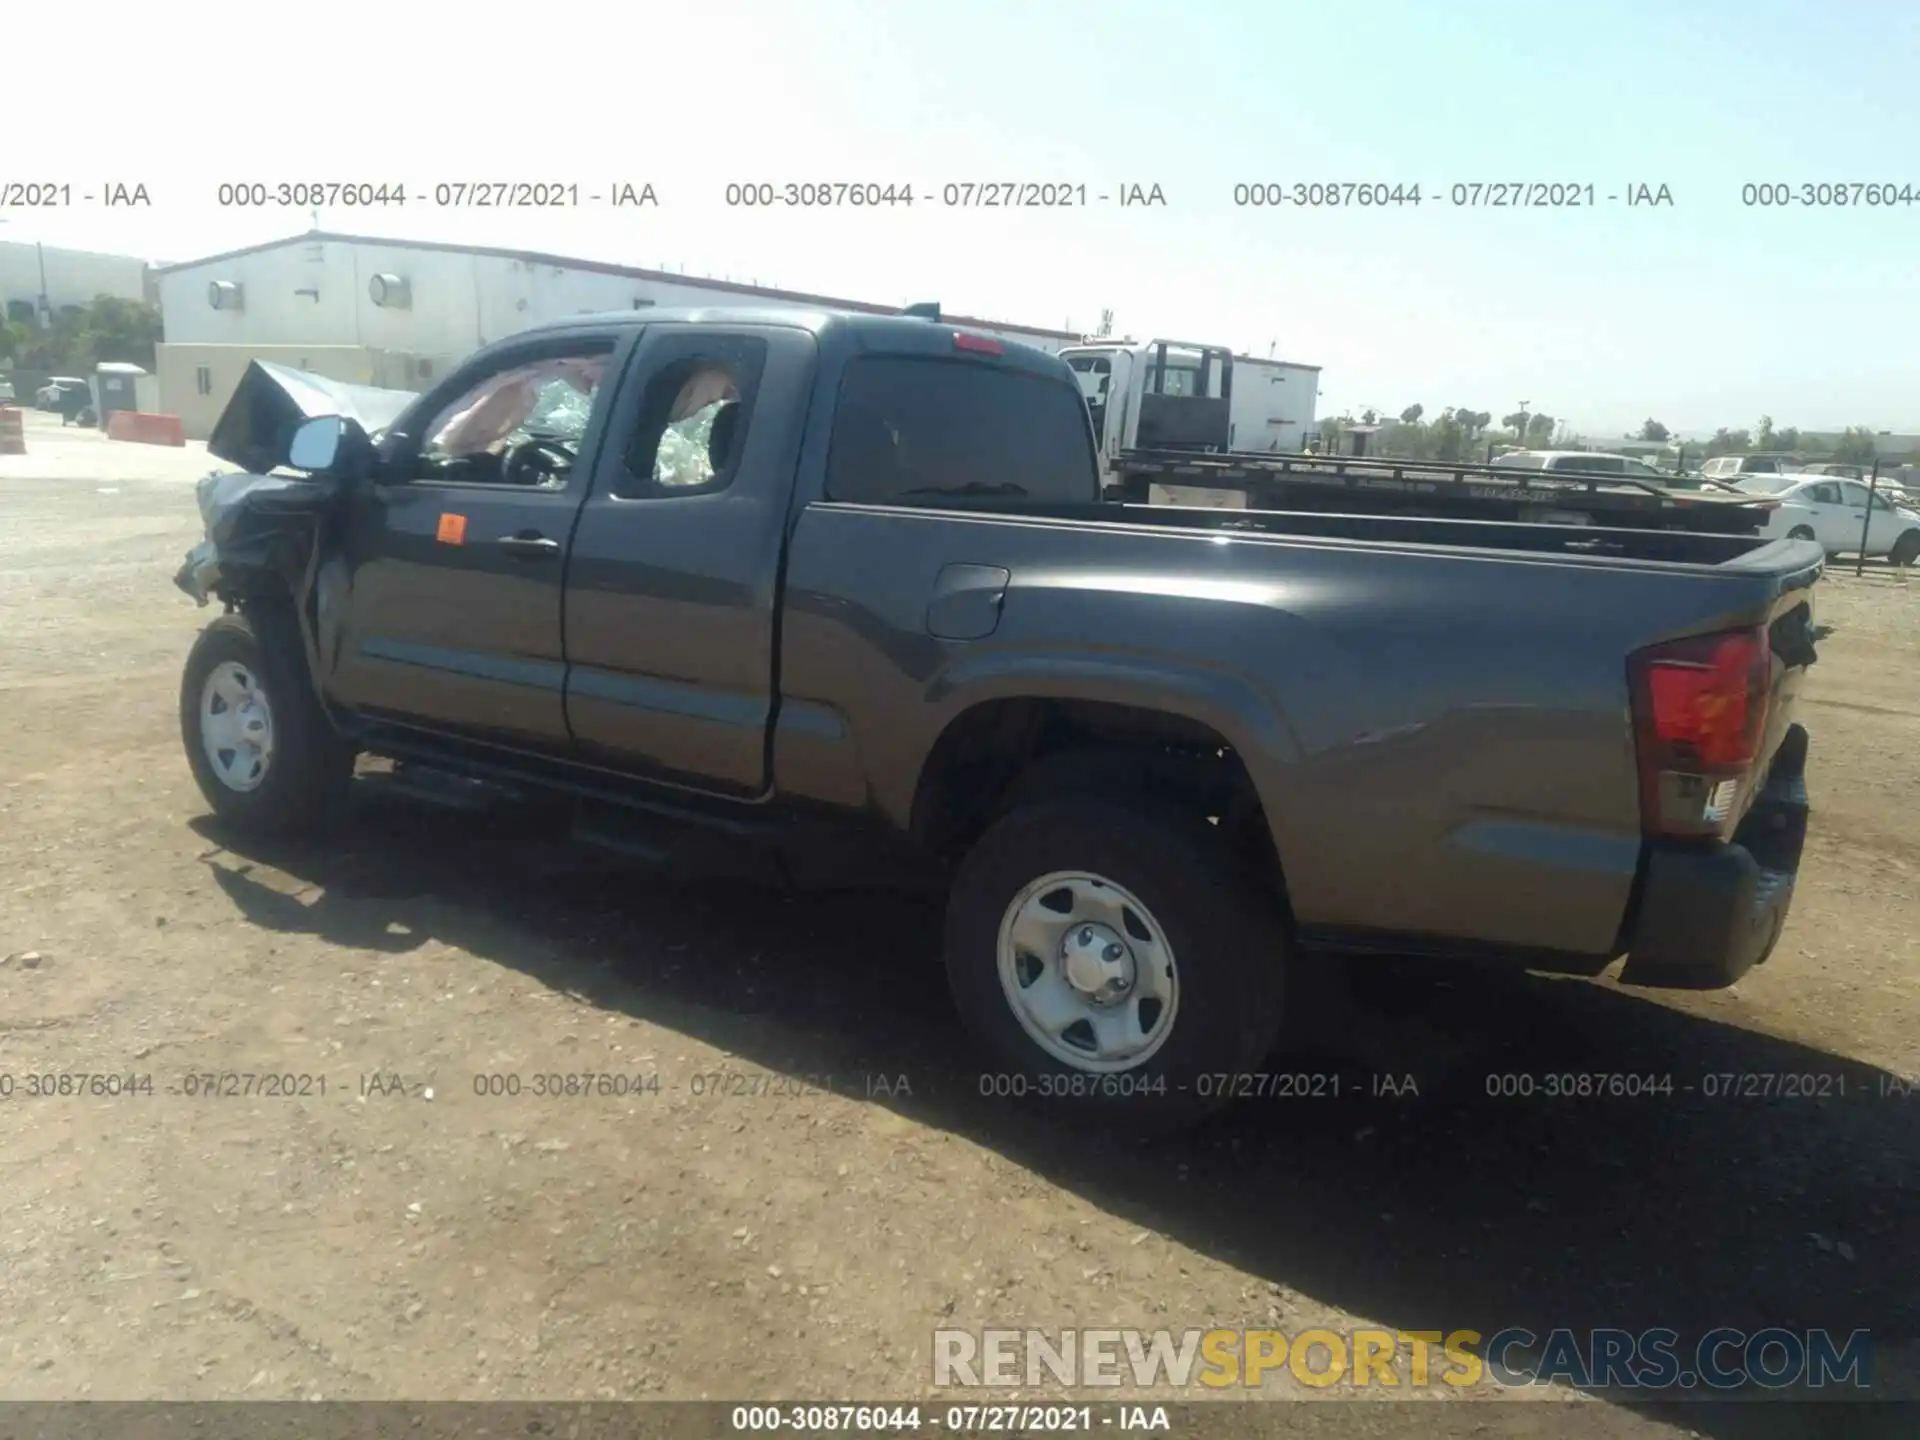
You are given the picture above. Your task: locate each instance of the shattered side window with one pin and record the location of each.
(558, 410)
(548, 398)
(685, 456)
(690, 428)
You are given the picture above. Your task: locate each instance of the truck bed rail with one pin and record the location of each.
(1438, 489)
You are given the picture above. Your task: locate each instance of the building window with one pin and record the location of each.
(203, 380)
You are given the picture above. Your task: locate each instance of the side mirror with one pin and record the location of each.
(317, 444)
(329, 443)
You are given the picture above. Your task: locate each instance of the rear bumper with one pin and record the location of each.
(1708, 914)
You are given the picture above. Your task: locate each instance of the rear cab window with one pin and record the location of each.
(920, 430)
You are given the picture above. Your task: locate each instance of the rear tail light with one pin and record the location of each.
(963, 341)
(1700, 720)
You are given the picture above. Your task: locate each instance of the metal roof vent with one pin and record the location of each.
(225, 295)
(390, 292)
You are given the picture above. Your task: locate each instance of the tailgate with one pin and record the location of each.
(1790, 634)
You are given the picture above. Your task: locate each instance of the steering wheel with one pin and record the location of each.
(535, 461)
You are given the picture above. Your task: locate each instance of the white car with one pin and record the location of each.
(1730, 468)
(1834, 512)
(1580, 462)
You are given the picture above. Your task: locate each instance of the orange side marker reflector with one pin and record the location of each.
(453, 530)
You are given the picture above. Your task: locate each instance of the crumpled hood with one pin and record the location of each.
(272, 401)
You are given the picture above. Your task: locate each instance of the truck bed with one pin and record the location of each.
(1440, 701)
(1434, 489)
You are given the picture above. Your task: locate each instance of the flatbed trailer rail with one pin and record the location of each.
(1438, 489)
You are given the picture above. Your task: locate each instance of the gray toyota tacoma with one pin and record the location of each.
(761, 584)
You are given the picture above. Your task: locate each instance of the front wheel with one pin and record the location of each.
(1800, 532)
(262, 751)
(1115, 961)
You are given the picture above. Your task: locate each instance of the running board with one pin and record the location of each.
(689, 849)
(444, 789)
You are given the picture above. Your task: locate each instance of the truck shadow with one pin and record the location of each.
(1422, 1200)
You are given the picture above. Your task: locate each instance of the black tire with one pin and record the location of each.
(304, 784)
(1800, 532)
(1227, 939)
(1906, 550)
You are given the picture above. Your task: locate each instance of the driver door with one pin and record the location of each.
(456, 550)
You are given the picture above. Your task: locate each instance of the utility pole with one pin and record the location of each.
(1523, 420)
(46, 306)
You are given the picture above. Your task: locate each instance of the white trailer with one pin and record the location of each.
(1167, 394)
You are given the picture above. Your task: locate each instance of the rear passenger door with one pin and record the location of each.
(1830, 517)
(674, 574)
(1886, 525)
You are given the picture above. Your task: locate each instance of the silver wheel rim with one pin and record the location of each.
(1088, 972)
(236, 726)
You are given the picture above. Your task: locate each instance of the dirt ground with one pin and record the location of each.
(403, 1235)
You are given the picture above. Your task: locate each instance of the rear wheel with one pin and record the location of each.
(261, 749)
(1906, 550)
(1115, 960)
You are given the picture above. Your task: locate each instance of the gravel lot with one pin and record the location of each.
(401, 1235)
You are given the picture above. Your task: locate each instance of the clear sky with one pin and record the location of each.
(1702, 313)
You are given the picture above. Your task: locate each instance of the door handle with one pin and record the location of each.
(528, 546)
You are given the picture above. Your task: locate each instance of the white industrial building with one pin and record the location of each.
(399, 313)
(68, 277)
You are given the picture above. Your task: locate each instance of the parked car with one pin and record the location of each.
(1732, 467)
(6, 392)
(1583, 462)
(57, 392)
(1834, 512)
(787, 584)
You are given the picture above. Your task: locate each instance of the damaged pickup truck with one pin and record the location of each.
(737, 583)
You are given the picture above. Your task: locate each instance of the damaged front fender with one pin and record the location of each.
(261, 530)
(269, 536)
(265, 530)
